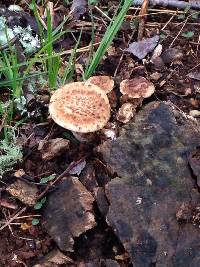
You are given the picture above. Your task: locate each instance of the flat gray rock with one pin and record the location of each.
(150, 200)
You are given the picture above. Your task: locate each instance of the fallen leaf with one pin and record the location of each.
(188, 35)
(35, 221)
(194, 75)
(78, 8)
(77, 169)
(142, 48)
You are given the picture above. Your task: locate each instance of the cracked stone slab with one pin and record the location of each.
(154, 185)
(69, 212)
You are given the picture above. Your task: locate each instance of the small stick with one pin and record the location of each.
(62, 175)
(167, 23)
(198, 45)
(121, 58)
(80, 50)
(143, 13)
(179, 32)
(4, 203)
(102, 13)
(170, 3)
(8, 223)
(13, 218)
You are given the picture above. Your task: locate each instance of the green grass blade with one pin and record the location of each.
(71, 64)
(109, 35)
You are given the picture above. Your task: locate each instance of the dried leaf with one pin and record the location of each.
(77, 169)
(142, 48)
(78, 8)
(194, 75)
(188, 35)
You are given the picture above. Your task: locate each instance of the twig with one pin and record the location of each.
(158, 10)
(4, 203)
(198, 45)
(13, 218)
(179, 32)
(62, 175)
(170, 3)
(167, 23)
(103, 13)
(9, 226)
(143, 12)
(80, 50)
(2, 121)
(122, 56)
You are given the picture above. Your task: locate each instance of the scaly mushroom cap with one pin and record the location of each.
(106, 83)
(80, 107)
(137, 88)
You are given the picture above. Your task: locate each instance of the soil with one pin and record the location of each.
(24, 244)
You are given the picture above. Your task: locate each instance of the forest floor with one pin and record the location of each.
(37, 155)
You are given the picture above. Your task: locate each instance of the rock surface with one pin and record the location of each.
(68, 212)
(155, 185)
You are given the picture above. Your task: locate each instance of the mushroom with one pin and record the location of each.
(126, 112)
(137, 88)
(80, 107)
(106, 83)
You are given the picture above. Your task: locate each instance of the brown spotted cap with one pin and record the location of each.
(137, 88)
(80, 107)
(106, 83)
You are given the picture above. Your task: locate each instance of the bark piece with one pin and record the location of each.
(111, 263)
(54, 258)
(101, 200)
(99, 263)
(88, 177)
(69, 213)
(26, 193)
(53, 148)
(194, 161)
(150, 156)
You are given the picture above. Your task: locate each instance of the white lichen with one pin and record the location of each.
(20, 105)
(10, 154)
(15, 8)
(29, 42)
(6, 34)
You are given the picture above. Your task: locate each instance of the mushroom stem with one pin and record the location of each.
(84, 137)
